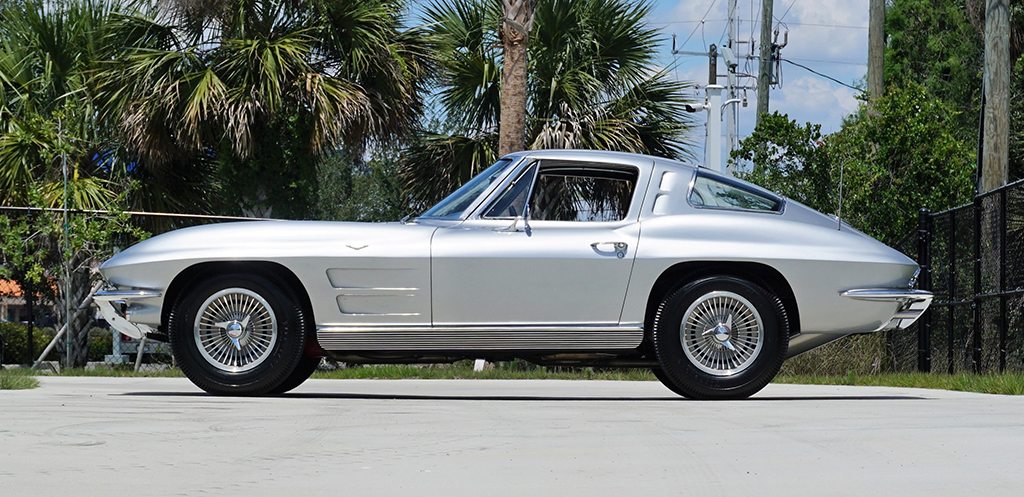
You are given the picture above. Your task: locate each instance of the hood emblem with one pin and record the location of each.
(360, 247)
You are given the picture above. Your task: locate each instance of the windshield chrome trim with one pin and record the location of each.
(498, 194)
(635, 206)
(516, 161)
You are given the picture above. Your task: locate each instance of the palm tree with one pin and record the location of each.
(263, 88)
(48, 119)
(592, 82)
(517, 21)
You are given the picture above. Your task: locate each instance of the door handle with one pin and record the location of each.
(620, 247)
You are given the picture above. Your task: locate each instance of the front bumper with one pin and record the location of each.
(912, 304)
(117, 307)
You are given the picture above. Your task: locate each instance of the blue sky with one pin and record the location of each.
(829, 36)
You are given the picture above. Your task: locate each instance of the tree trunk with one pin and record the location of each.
(876, 49)
(996, 141)
(765, 62)
(518, 20)
(78, 333)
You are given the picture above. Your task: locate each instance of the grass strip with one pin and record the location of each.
(17, 379)
(127, 371)
(1002, 384)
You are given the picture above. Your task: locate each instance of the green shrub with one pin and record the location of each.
(15, 343)
(100, 343)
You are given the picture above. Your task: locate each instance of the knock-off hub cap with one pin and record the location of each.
(235, 330)
(721, 333)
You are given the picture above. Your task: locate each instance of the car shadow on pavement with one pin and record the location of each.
(524, 398)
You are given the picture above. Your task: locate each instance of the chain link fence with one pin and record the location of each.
(972, 258)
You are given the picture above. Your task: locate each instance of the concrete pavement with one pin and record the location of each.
(162, 436)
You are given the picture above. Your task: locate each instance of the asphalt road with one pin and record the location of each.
(162, 436)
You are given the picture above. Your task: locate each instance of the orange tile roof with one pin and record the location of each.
(9, 288)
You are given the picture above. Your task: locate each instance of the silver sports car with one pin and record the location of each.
(562, 257)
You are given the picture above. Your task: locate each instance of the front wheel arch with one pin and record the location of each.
(191, 275)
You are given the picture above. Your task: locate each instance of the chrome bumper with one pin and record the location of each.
(117, 307)
(912, 303)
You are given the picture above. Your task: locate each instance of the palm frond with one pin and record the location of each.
(436, 165)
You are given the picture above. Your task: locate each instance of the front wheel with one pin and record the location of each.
(720, 337)
(239, 334)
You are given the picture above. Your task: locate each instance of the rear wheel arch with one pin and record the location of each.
(685, 272)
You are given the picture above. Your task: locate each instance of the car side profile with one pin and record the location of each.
(558, 257)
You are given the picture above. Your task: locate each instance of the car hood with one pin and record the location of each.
(270, 239)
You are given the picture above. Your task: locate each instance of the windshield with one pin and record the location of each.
(455, 204)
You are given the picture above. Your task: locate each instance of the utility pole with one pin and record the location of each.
(996, 141)
(731, 116)
(764, 66)
(714, 145)
(876, 49)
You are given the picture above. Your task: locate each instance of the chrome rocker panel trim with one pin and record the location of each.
(117, 307)
(912, 303)
(415, 338)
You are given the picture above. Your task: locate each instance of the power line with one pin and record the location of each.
(841, 62)
(757, 19)
(826, 76)
(701, 23)
(786, 13)
(822, 61)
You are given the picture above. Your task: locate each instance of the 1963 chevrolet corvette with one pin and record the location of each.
(557, 257)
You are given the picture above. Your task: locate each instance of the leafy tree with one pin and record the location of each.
(902, 155)
(264, 88)
(592, 82)
(932, 42)
(940, 44)
(357, 190)
(791, 159)
(49, 120)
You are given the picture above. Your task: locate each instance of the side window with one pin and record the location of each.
(722, 193)
(567, 191)
(512, 201)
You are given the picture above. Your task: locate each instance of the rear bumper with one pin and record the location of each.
(911, 304)
(118, 306)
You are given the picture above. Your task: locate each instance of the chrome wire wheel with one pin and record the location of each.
(235, 330)
(721, 333)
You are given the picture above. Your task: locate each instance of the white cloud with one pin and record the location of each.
(819, 30)
(809, 98)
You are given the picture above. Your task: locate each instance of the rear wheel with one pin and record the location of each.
(238, 334)
(720, 337)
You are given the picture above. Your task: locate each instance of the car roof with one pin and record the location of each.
(597, 155)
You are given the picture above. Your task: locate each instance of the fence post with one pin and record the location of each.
(952, 289)
(924, 282)
(976, 304)
(1002, 280)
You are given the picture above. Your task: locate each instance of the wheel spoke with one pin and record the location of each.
(235, 330)
(721, 333)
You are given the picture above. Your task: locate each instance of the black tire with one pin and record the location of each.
(281, 332)
(665, 380)
(720, 362)
(307, 366)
